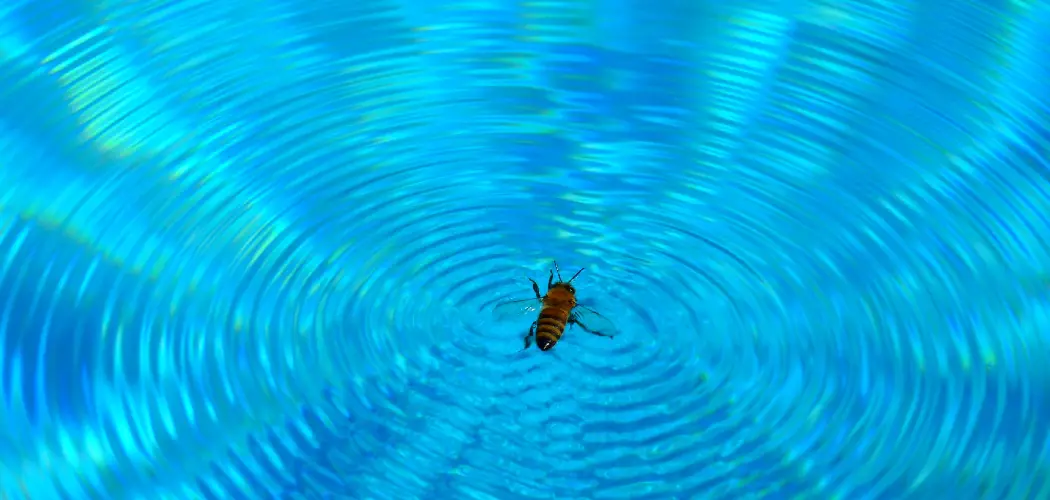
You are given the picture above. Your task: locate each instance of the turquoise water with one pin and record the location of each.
(252, 249)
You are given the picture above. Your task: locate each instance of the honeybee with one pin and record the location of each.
(557, 309)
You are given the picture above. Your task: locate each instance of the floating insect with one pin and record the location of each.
(558, 309)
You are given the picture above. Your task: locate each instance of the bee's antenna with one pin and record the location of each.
(557, 269)
(577, 274)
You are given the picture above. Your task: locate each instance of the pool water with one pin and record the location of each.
(255, 249)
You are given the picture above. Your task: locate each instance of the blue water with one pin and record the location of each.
(253, 249)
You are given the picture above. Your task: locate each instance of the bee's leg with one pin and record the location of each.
(574, 321)
(536, 288)
(528, 338)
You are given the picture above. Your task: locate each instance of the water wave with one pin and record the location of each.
(252, 250)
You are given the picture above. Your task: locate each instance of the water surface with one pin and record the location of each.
(251, 249)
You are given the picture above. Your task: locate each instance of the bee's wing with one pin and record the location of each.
(512, 309)
(594, 322)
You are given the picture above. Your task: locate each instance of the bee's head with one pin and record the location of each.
(544, 343)
(564, 286)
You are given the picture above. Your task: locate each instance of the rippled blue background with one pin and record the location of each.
(250, 249)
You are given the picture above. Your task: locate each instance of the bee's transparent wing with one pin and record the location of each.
(514, 309)
(593, 322)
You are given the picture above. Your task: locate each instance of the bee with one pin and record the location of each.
(558, 309)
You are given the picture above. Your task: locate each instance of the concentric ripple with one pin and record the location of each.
(252, 249)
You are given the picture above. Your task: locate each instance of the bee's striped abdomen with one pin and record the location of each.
(551, 324)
